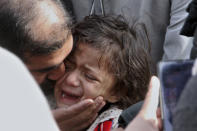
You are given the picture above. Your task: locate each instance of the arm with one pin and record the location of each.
(175, 45)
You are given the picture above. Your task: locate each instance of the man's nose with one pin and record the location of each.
(57, 73)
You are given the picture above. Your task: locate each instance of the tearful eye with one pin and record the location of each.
(90, 77)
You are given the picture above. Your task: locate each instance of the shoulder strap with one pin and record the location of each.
(92, 11)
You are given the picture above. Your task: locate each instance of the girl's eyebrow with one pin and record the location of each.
(90, 69)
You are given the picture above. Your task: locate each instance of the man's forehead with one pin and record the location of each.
(38, 63)
(50, 60)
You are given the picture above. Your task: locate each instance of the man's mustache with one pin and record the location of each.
(48, 89)
(47, 86)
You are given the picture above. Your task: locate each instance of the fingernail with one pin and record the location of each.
(89, 102)
(103, 104)
(99, 100)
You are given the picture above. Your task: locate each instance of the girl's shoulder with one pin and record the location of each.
(107, 119)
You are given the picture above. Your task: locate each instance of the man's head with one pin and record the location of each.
(38, 31)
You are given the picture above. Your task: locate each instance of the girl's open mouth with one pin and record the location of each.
(69, 98)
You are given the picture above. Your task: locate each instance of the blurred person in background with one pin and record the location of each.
(185, 117)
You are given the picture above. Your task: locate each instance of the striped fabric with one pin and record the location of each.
(104, 126)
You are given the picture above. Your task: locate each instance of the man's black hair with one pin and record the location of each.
(29, 27)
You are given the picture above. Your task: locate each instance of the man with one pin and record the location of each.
(39, 33)
(185, 116)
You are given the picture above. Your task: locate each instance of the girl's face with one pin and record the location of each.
(84, 78)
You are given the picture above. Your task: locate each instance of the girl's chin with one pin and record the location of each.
(66, 104)
(63, 105)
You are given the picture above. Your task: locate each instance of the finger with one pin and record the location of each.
(98, 101)
(158, 112)
(69, 112)
(152, 99)
(99, 104)
(160, 125)
(96, 110)
(159, 119)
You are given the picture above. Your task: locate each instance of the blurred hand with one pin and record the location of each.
(149, 117)
(79, 116)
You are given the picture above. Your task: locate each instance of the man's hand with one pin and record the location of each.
(79, 116)
(149, 117)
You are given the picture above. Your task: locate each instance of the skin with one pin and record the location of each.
(50, 66)
(78, 116)
(84, 78)
(47, 25)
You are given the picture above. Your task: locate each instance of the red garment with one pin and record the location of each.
(104, 126)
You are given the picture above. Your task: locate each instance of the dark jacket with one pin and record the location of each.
(185, 118)
(129, 114)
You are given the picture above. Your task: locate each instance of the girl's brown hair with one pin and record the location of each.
(125, 52)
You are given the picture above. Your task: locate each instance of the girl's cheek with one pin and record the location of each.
(90, 94)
